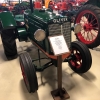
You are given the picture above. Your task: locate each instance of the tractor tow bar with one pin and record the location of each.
(60, 93)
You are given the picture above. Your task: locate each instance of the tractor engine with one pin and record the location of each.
(48, 24)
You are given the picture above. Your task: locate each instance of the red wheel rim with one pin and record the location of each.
(24, 75)
(90, 27)
(77, 61)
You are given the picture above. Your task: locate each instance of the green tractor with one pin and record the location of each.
(89, 18)
(40, 24)
(20, 7)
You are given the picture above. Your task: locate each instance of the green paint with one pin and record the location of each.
(7, 20)
(40, 19)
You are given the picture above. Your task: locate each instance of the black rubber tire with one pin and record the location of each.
(96, 11)
(9, 44)
(84, 53)
(28, 72)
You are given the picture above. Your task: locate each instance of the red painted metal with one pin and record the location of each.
(64, 56)
(37, 5)
(23, 74)
(77, 62)
(64, 4)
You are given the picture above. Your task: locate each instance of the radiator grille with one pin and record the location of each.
(65, 28)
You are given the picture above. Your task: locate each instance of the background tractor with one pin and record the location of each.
(40, 24)
(75, 4)
(3, 8)
(89, 18)
(64, 5)
(20, 7)
(7, 5)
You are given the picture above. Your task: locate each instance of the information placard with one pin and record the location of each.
(58, 44)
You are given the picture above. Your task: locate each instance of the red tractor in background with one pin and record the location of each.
(7, 5)
(75, 4)
(65, 5)
(18, 6)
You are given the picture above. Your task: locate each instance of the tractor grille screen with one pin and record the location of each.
(65, 29)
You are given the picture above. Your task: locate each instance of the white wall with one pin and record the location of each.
(1, 1)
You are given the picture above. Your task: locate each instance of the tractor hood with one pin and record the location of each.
(48, 21)
(46, 16)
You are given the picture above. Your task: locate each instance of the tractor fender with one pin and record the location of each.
(7, 20)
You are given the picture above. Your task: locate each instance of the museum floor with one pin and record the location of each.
(79, 87)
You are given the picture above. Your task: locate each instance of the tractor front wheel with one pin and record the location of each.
(28, 72)
(81, 57)
(89, 18)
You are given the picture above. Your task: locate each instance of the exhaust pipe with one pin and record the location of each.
(31, 6)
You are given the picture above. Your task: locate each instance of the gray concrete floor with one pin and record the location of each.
(79, 87)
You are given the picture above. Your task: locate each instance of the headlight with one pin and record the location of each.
(39, 35)
(77, 28)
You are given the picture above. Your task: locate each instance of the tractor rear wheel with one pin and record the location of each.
(81, 57)
(89, 18)
(28, 72)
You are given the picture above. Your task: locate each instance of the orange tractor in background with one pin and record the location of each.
(46, 3)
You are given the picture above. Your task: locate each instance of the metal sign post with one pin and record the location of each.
(59, 47)
(60, 93)
(59, 71)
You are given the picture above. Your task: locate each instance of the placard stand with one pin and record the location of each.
(60, 93)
